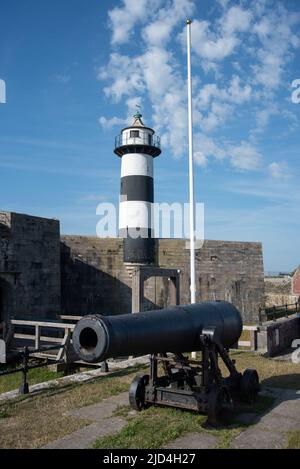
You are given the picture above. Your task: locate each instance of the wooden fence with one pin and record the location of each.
(37, 337)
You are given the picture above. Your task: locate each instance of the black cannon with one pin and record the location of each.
(210, 328)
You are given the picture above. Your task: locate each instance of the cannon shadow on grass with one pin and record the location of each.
(288, 381)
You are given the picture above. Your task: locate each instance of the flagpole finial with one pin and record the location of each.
(189, 21)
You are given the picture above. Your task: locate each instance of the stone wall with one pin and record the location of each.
(29, 267)
(277, 336)
(43, 274)
(278, 291)
(95, 279)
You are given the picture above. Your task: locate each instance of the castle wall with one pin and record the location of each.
(95, 279)
(29, 267)
(43, 274)
(278, 291)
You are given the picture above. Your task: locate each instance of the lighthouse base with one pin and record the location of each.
(140, 250)
(142, 273)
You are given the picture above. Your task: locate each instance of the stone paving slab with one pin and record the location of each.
(269, 432)
(102, 410)
(201, 440)
(254, 438)
(104, 424)
(271, 421)
(287, 409)
(83, 438)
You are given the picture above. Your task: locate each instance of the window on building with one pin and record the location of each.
(134, 134)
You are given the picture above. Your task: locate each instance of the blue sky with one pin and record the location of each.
(75, 70)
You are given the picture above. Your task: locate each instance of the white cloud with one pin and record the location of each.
(200, 158)
(62, 79)
(218, 41)
(154, 73)
(123, 20)
(259, 40)
(279, 170)
(274, 31)
(127, 76)
(236, 20)
(112, 122)
(245, 157)
(158, 32)
(242, 157)
(209, 45)
(263, 117)
(214, 105)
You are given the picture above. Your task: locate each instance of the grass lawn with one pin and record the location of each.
(156, 426)
(34, 420)
(39, 375)
(294, 440)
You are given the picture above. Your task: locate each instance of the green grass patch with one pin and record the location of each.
(294, 439)
(38, 375)
(121, 411)
(37, 419)
(4, 413)
(153, 428)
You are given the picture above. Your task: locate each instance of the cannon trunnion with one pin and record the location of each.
(174, 380)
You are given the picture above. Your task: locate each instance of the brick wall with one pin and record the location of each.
(296, 282)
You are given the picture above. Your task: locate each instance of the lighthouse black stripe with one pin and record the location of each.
(139, 250)
(136, 233)
(137, 188)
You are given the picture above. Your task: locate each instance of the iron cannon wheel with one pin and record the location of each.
(137, 392)
(249, 386)
(218, 399)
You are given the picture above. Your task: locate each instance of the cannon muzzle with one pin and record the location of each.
(176, 329)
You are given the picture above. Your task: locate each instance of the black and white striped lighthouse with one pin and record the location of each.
(137, 146)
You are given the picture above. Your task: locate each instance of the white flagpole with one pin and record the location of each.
(191, 166)
(191, 170)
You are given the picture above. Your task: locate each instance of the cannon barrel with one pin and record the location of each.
(175, 329)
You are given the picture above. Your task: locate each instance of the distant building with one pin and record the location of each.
(282, 289)
(296, 282)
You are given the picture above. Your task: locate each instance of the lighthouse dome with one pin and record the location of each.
(137, 138)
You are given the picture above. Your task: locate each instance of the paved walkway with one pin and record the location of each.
(103, 424)
(270, 430)
(201, 440)
(264, 431)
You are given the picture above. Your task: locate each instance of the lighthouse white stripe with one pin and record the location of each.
(136, 214)
(137, 164)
